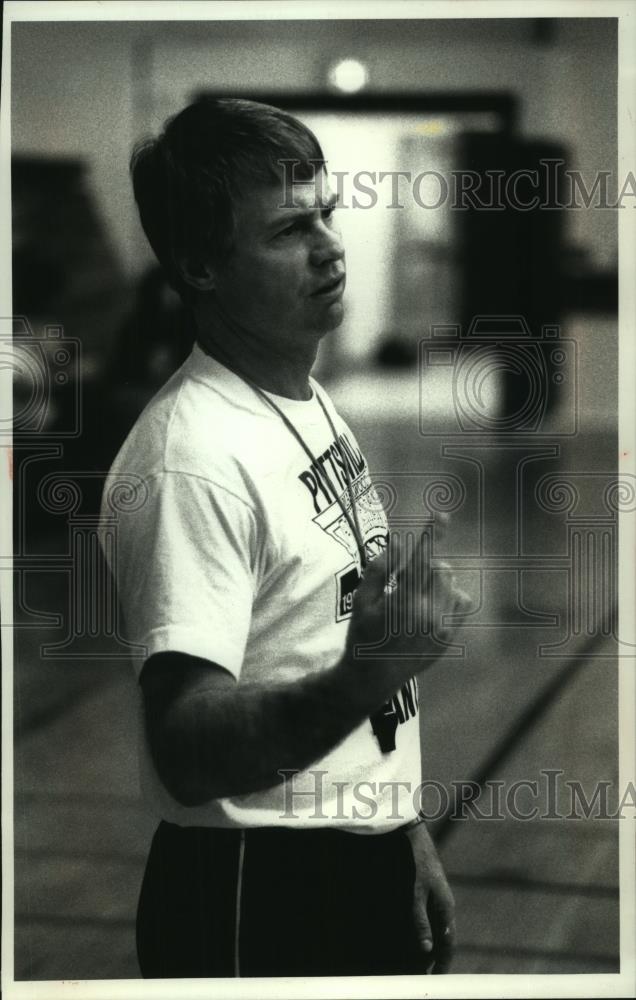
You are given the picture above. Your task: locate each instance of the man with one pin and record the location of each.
(271, 697)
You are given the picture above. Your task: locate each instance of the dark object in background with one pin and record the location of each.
(70, 297)
(510, 257)
(64, 269)
(69, 294)
(396, 352)
(155, 338)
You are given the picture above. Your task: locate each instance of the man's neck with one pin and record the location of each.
(278, 372)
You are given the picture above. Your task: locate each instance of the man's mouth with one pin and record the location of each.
(332, 287)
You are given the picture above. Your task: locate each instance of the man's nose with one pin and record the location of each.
(328, 246)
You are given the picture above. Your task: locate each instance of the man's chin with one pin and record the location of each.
(333, 318)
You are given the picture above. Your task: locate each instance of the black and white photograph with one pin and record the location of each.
(318, 499)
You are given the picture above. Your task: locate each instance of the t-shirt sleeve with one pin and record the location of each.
(186, 570)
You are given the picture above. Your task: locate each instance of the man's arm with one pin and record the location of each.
(211, 737)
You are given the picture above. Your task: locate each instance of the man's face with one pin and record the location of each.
(285, 278)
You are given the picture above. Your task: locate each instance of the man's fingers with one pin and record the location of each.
(377, 575)
(442, 520)
(442, 923)
(435, 928)
(458, 604)
(411, 563)
(462, 602)
(423, 929)
(423, 593)
(418, 565)
(444, 950)
(400, 552)
(395, 554)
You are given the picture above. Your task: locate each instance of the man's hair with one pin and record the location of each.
(188, 181)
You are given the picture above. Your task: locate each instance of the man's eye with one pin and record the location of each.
(288, 230)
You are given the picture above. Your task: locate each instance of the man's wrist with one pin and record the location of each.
(413, 823)
(367, 689)
(349, 682)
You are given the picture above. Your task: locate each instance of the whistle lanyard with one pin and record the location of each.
(353, 522)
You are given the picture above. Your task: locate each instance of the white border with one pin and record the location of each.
(6, 522)
(544, 985)
(626, 445)
(305, 10)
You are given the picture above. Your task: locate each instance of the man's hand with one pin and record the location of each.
(402, 614)
(433, 904)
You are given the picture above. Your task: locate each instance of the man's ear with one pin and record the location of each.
(197, 274)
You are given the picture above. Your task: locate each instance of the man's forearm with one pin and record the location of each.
(213, 743)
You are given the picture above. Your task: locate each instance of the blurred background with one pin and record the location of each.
(477, 365)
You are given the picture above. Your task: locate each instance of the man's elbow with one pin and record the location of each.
(185, 789)
(180, 723)
(180, 769)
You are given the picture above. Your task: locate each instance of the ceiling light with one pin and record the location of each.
(348, 75)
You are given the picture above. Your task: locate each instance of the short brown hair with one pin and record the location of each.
(188, 180)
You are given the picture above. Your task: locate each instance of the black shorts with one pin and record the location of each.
(276, 902)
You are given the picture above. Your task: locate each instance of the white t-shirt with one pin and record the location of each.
(240, 554)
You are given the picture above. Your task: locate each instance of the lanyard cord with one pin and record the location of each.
(354, 525)
(345, 470)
